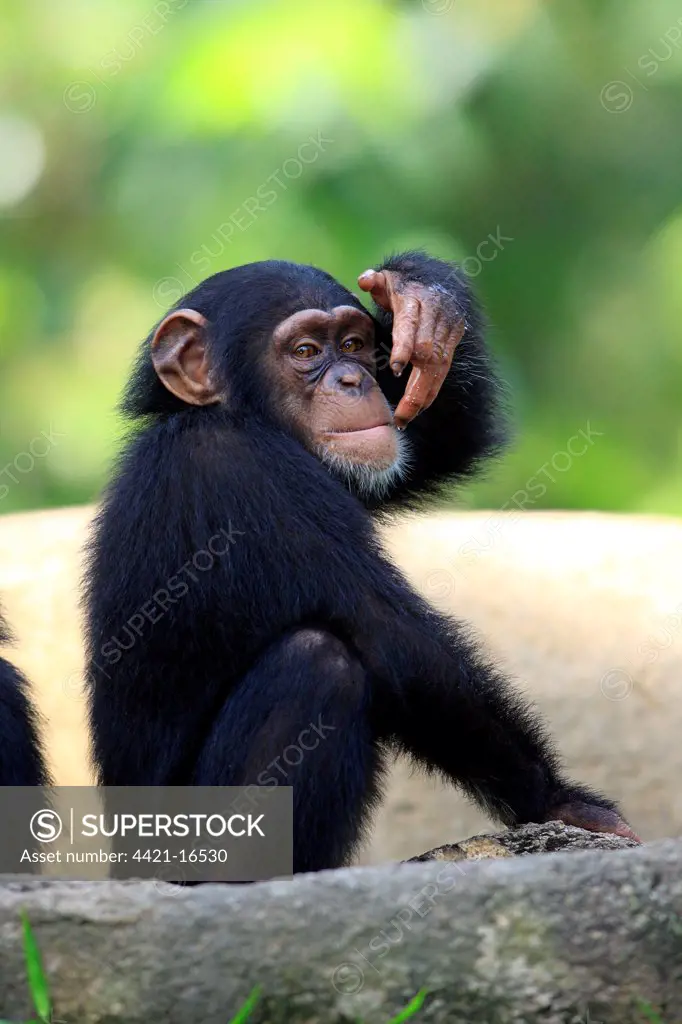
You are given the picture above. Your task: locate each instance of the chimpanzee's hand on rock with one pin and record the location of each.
(424, 334)
(593, 818)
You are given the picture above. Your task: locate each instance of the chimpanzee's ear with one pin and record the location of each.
(181, 360)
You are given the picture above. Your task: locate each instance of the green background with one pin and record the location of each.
(134, 134)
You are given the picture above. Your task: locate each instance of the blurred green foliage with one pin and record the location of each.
(136, 137)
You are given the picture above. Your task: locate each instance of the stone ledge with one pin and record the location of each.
(562, 938)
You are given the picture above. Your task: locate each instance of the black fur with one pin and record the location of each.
(21, 757)
(302, 627)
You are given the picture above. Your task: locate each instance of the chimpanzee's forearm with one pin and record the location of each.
(442, 704)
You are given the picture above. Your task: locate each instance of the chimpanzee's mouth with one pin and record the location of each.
(374, 430)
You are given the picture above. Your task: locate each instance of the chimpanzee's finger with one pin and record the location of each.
(445, 343)
(436, 385)
(376, 282)
(418, 389)
(406, 316)
(423, 352)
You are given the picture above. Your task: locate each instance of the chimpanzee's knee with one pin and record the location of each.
(328, 659)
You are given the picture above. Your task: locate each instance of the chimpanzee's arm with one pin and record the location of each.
(439, 701)
(466, 423)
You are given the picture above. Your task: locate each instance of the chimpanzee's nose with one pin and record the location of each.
(351, 377)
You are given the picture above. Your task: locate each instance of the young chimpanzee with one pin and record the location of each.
(244, 625)
(21, 757)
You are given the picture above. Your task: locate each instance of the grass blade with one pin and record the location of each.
(37, 982)
(649, 1012)
(248, 1007)
(410, 1009)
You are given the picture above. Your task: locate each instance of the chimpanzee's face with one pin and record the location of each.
(322, 371)
(318, 368)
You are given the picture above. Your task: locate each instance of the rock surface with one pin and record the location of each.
(573, 937)
(551, 837)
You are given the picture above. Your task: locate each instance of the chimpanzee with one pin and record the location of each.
(244, 624)
(21, 756)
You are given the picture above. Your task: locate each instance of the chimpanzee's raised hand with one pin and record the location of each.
(424, 334)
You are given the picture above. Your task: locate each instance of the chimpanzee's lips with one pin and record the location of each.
(375, 446)
(375, 429)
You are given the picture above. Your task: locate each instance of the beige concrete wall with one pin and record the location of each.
(579, 607)
(40, 567)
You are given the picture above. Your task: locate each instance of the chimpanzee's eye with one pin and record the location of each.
(352, 344)
(306, 350)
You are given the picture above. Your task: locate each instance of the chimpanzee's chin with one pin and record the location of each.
(367, 479)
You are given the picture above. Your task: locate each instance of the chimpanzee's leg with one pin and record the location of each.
(300, 718)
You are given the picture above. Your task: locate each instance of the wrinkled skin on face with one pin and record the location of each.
(322, 369)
